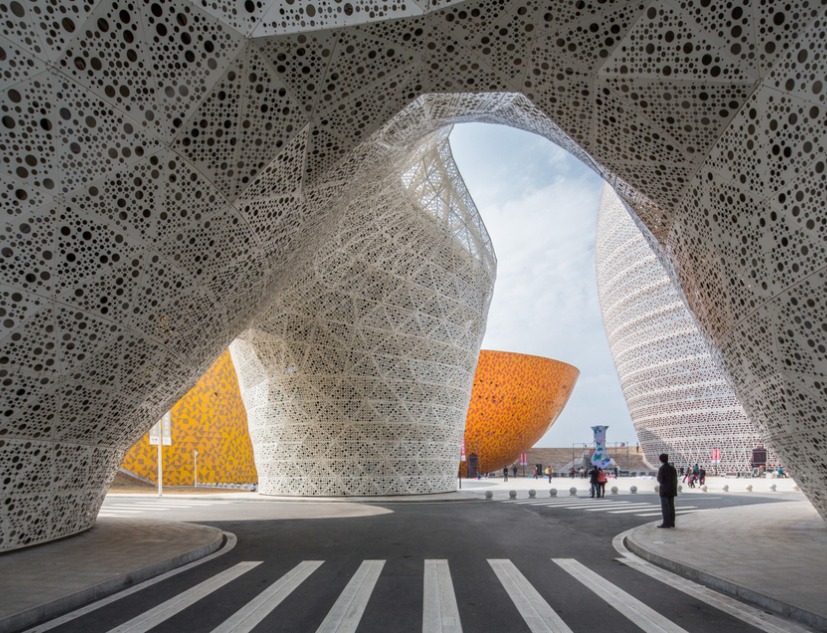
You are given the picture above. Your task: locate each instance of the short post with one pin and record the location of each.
(194, 468)
(532, 493)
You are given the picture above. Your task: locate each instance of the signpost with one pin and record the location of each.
(160, 435)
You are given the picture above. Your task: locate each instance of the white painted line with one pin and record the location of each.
(536, 612)
(252, 613)
(619, 507)
(106, 511)
(345, 615)
(73, 615)
(440, 613)
(657, 514)
(641, 615)
(176, 604)
(685, 508)
(751, 615)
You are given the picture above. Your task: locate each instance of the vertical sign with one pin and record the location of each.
(462, 450)
(716, 456)
(523, 459)
(161, 435)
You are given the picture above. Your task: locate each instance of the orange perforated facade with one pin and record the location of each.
(210, 419)
(514, 401)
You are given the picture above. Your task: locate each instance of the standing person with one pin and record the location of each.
(514, 470)
(593, 481)
(602, 478)
(505, 473)
(668, 480)
(702, 476)
(535, 472)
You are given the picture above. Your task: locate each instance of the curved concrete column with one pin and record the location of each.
(680, 401)
(356, 379)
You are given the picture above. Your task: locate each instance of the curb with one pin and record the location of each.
(65, 604)
(727, 587)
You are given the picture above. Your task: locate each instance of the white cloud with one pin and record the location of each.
(539, 205)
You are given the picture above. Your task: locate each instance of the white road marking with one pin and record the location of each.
(176, 604)
(641, 615)
(252, 613)
(536, 612)
(686, 508)
(345, 615)
(440, 613)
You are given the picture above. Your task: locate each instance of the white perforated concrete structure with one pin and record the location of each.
(680, 401)
(168, 166)
(356, 380)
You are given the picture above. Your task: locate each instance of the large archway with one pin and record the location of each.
(167, 169)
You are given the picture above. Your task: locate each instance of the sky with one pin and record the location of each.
(540, 206)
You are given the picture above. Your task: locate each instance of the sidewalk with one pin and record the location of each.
(774, 556)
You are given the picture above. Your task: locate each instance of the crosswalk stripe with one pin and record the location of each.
(536, 612)
(683, 509)
(178, 603)
(620, 506)
(246, 618)
(657, 514)
(345, 615)
(641, 615)
(440, 613)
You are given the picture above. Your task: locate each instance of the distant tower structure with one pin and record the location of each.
(679, 399)
(600, 458)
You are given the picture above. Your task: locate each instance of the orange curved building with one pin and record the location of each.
(514, 401)
(211, 419)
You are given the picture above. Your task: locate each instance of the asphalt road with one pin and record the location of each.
(476, 566)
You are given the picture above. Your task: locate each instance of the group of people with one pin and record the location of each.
(696, 475)
(597, 482)
(539, 472)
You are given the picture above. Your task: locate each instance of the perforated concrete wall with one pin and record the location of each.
(357, 378)
(680, 401)
(166, 165)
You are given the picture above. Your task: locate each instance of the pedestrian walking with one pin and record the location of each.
(505, 473)
(668, 480)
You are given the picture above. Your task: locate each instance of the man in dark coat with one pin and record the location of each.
(668, 480)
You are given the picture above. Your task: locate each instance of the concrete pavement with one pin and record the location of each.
(772, 555)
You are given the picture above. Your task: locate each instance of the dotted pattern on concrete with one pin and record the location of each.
(356, 379)
(680, 401)
(163, 172)
(514, 401)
